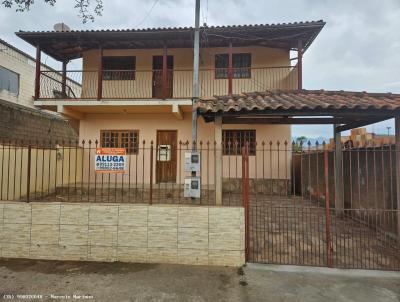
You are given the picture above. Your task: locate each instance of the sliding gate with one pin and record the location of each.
(303, 226)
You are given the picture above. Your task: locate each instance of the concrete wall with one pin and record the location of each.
(182, 78)
(18, 122)
(123, 232)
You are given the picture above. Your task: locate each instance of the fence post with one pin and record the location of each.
(28, 177)
(329, 247)
(245, 195)
(397, 160)
(151, 173)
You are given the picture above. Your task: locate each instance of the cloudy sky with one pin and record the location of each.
(357, 50)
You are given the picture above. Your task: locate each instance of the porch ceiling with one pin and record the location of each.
(71, 44)
(344, 108)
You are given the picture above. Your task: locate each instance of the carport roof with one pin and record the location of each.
(281, 106)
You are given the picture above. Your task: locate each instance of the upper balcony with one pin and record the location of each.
(162, 84)
(153, 79)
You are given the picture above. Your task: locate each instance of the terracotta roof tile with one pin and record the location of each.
(300, 100)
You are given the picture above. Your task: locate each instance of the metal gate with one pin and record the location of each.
(297, 229)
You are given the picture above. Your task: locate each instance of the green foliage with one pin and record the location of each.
(86, 12)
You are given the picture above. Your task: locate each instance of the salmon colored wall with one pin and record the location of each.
(149, 124)
(183, 64)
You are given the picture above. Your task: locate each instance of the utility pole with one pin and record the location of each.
(196, 90)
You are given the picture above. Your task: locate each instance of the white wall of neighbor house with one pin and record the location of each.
(191, 235)
(25, 68)
(148, 124)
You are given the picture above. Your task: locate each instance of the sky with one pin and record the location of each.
(357, 50)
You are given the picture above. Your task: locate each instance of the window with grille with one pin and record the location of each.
(119, 68)
(235, 140)
(128, 139)
(241, 63)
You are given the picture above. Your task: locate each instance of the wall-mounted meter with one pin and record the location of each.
(192, 161)
(164, 153)
(192, 187)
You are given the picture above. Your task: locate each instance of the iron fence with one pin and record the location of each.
(288, 191)
(174, 83)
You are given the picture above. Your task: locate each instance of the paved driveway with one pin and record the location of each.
(150, 282)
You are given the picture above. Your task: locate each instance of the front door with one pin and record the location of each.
(166, 159)
(158, 91)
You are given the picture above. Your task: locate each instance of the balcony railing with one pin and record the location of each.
(159, 84)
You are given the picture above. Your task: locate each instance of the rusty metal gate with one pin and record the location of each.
(303, 227)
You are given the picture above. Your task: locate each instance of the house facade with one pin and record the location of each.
(136, 85)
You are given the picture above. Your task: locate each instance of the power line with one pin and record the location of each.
(148, 13)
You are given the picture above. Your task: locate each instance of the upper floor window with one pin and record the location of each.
(235, 140)
(9, 80)
(241, 63)
(119, 68)
(128, 139)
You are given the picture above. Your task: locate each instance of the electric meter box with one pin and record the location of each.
(192, 187)
(192, 161)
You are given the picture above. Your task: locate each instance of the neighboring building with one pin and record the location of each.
(361, 138)
(137, 84)
(17, 75)
(17, 86)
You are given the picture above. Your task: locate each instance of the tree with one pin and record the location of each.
(86, 12)
(300, 141)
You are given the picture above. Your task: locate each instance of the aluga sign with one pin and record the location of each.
(111, 160)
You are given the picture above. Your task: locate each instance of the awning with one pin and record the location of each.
(349, 109)
(67, 45)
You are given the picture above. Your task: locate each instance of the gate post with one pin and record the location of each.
(28, 173)
(245, 195)
(151, 173)
(397, 156)
(329, 247)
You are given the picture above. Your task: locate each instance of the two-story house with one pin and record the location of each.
(137, 84)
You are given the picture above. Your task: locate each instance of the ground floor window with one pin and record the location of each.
(128, 139)
(234, 141)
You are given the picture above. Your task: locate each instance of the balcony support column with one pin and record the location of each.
(338, 154)
(64, 78)
(37, 72)
(100, 75)
(165, 73)
(300, 65)
(230, 69)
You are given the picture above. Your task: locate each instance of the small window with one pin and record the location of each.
(119, 68)
(128, 139)
(241, 63)
(235, 140)
(9, 80)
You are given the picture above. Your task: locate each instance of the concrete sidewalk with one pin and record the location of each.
(149, 282)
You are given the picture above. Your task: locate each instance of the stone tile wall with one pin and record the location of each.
(121, 232)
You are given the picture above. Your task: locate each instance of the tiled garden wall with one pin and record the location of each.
(123, 232)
